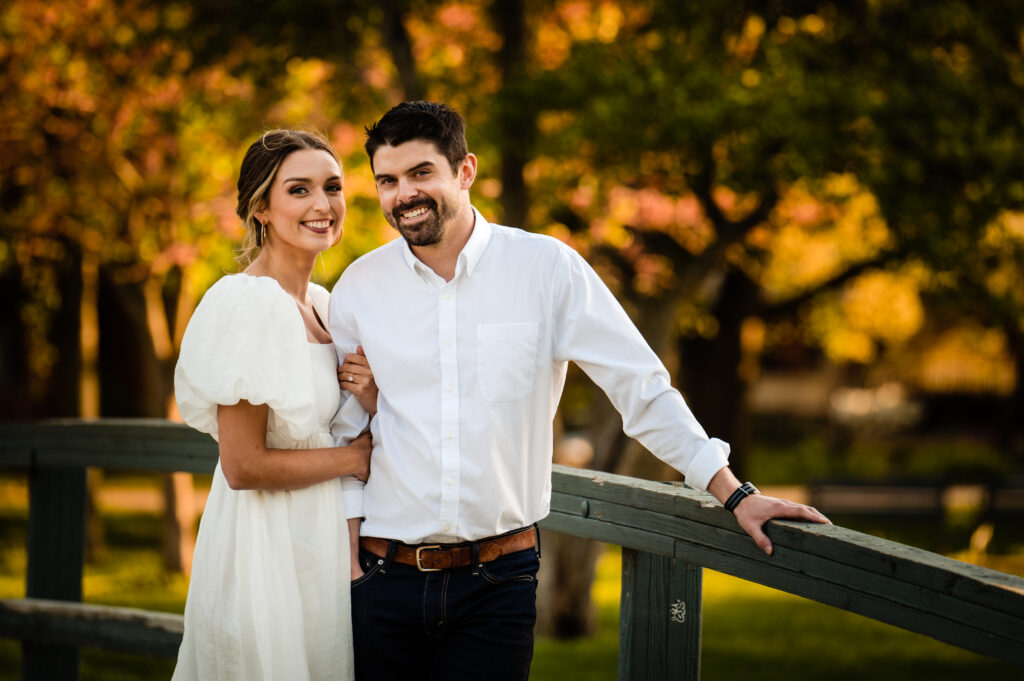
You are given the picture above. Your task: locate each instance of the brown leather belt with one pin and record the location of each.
(434, 557)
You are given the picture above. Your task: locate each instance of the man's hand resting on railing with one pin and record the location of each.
(752, 511)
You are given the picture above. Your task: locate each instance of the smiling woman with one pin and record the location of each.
(269, 597)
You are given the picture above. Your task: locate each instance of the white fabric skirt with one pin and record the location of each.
(269, 593)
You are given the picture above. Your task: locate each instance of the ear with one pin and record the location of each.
(261, 211)
(467, 171)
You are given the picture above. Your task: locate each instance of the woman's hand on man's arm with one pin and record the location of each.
(355, 376)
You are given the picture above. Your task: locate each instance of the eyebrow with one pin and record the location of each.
(306, 179)
(424, 164)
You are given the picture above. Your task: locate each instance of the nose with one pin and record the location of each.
(406, 190)
(322, 202)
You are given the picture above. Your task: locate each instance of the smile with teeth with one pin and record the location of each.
(415, 212)
(318, 225)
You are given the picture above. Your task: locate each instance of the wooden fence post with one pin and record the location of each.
(56, 548)
(659, 620)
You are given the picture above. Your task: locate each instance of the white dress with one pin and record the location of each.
(269, 592)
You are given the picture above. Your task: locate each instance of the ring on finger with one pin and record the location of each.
(351, 378)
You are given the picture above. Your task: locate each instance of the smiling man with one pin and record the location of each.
(469, 327)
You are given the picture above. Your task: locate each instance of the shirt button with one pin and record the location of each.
(447, 528)
(451, 482)
(451, 436)
(447, 296)
(450, 388)
(448, 341)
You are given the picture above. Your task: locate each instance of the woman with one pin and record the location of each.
(269, 593)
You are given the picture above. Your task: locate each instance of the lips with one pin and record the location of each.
(318, 226)
(411, 211)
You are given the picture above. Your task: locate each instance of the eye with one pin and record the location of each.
(385, 180)
(422, 172)
(298, 190)
(334, 188)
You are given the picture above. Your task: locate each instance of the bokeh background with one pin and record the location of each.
(814, 211)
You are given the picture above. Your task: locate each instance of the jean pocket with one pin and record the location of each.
(507, 359)
(371, 565)
(516, 567)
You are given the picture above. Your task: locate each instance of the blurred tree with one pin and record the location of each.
(718, 163)
(730, 108)
(673, 134)
(103, 161)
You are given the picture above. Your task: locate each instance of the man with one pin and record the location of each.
(469, 328)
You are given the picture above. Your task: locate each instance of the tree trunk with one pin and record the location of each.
(89, 403)
(61, 398)
(131, 373)
(564, 607)
(397, 40)
(514, 114)
(15, 380)
(1011, 437)
(137, 369)
(179, 540)
(709, 373)
(179, 496)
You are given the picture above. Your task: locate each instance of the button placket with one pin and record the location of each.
(449, 354)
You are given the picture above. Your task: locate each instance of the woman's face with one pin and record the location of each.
(305, 205)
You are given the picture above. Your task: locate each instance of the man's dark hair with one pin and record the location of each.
(431, 121)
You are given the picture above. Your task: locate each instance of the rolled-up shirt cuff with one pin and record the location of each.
(711, 458)
(352, 492)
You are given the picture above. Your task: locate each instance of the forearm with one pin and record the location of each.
(284, 469)
(247, 462)
(353, 542)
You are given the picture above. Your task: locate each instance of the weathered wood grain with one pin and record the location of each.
(659, 619)
(123, 444)
(126, 630)
(56, 556)
(965, 605)
(924, 568)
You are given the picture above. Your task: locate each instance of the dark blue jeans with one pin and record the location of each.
(471, 623)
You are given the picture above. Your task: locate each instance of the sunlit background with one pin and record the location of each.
(814, 211)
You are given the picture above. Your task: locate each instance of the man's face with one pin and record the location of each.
(418, 191)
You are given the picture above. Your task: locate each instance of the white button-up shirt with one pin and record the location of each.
(470, 372)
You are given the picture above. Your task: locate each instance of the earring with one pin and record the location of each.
(263, 235)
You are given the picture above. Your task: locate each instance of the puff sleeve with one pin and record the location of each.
(246, 341)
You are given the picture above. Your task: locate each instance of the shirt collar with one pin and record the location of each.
(477, 244)
(471, 252)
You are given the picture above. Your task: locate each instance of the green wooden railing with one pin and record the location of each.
(668, 533)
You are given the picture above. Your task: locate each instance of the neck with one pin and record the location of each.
(443, 256)
(291, 269)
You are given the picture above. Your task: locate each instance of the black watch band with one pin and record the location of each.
(741, 493)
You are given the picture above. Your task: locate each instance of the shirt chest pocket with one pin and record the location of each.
(507, 356)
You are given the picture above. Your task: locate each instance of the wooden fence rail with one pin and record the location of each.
(668, 533)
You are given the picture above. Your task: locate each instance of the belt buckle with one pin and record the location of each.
(419, 565)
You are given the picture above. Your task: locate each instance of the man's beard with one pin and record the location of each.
(427, 232)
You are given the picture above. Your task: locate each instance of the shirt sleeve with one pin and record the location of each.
(351, 418)
(593, 330)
